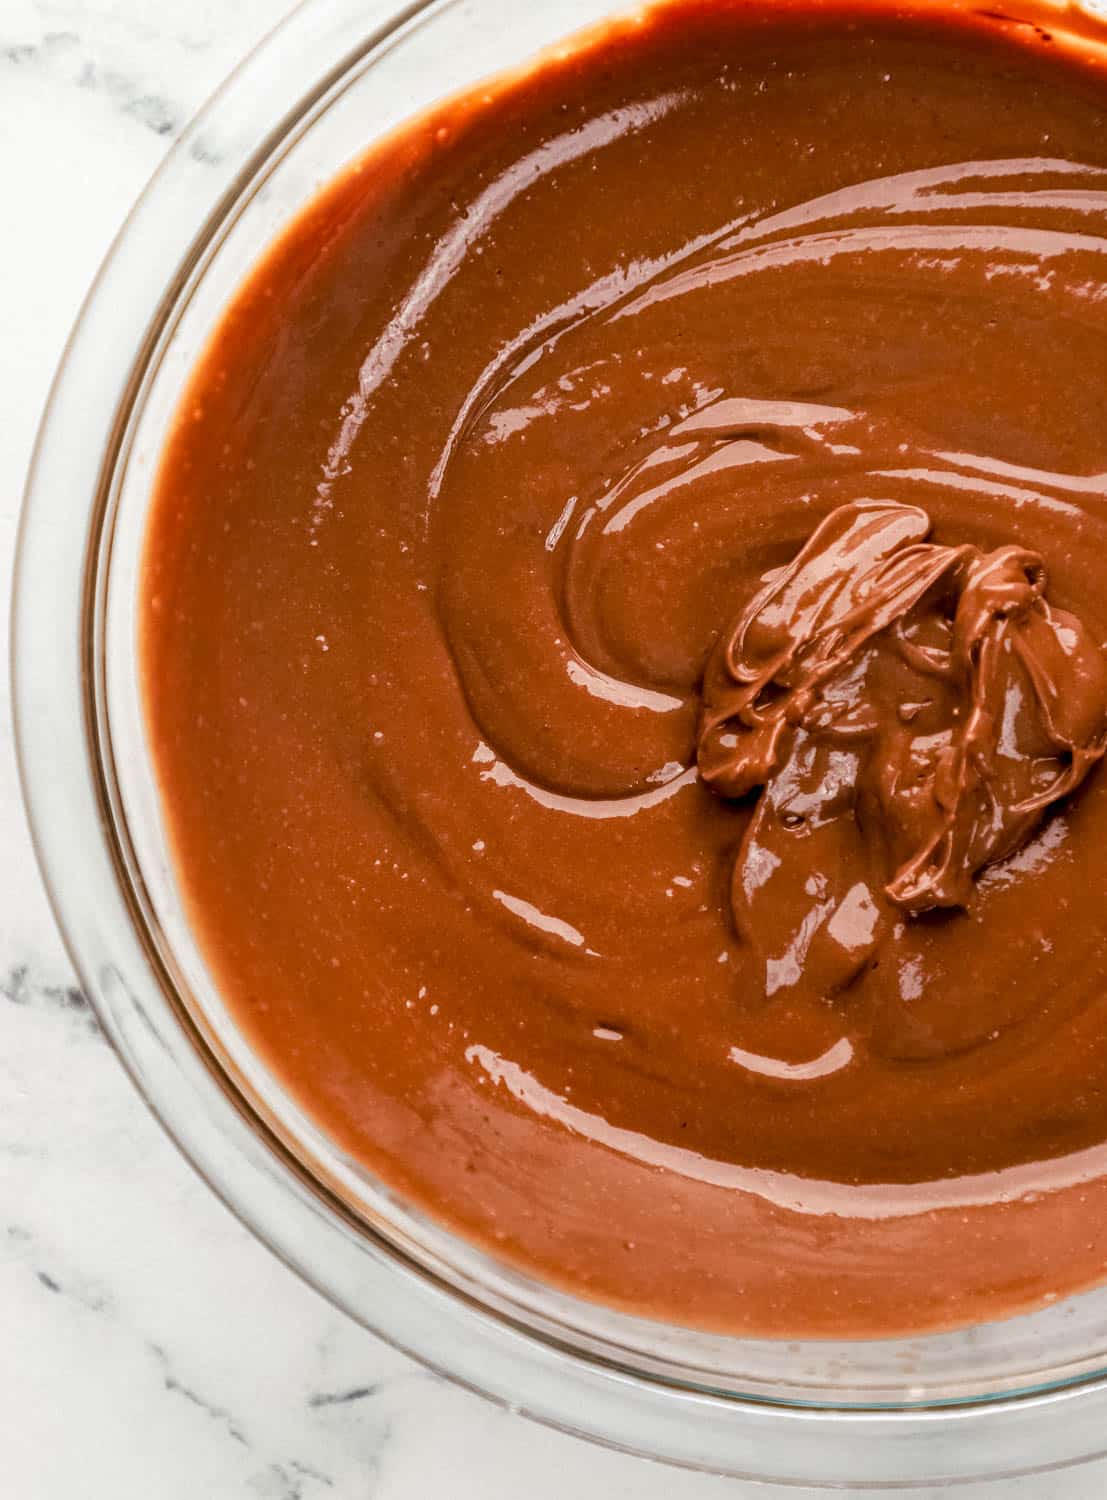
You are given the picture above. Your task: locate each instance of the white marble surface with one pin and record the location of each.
(149, 1349)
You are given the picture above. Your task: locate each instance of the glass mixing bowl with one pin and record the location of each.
(1027, 1393)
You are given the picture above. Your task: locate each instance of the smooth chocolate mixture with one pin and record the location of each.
(623, 623)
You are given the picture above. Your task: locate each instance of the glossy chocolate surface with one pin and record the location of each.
(524, 425)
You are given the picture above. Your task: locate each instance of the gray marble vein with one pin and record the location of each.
(17, 988)
(62, 56)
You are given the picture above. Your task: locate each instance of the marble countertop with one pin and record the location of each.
(148, 1346)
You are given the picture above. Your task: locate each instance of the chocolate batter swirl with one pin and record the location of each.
(761, 340)
(899, 701)
(655, 479)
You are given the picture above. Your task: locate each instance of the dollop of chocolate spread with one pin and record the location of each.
(910, 711)
(622, 627)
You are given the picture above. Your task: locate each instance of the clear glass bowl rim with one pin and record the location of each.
(57, 576)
